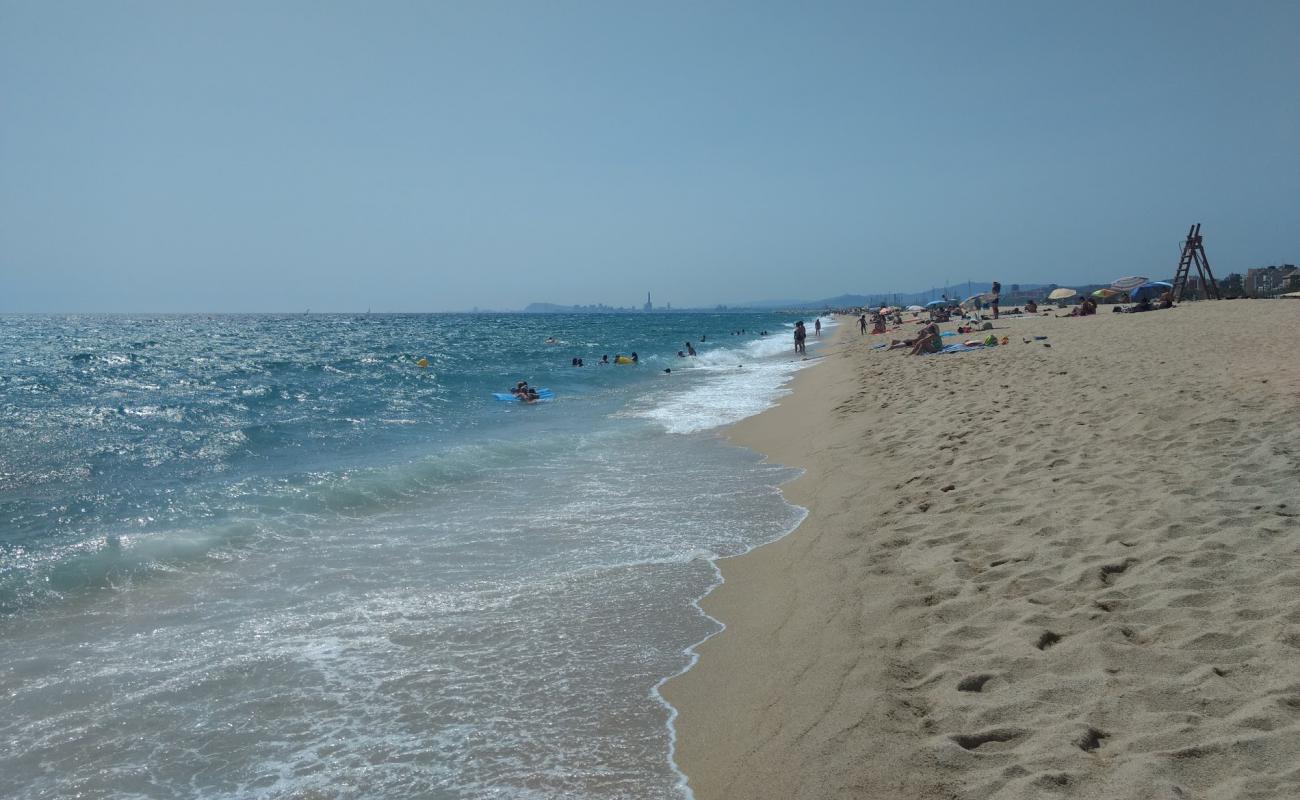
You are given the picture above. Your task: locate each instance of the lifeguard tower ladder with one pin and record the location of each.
(1194, 253)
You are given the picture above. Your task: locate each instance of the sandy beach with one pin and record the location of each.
(1028, 571)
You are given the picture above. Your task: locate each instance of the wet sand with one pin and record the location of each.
(1068, 571)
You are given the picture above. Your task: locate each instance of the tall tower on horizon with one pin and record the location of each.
(648, 306)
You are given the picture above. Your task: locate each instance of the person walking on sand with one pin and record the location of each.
(817, 327)
(862, 325)
(995, 291)
(800, 334)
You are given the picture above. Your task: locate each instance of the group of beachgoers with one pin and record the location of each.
(801, 335)
(1166, 300)
(929, 339)
(619, 358)
(880, 319)
(528, 395)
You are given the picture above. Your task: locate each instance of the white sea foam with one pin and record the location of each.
(727, 384)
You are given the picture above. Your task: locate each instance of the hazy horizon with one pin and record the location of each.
(240, 157)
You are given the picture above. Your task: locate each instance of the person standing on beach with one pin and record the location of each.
(995, 291)
(800, 334)
(862, 325)
(817, 327)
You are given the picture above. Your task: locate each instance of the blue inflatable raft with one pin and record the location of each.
(507, 397)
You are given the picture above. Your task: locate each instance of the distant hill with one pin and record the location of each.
(1015, 292)
(842, 301)
(876, 299)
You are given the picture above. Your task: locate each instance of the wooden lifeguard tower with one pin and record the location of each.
(1194, 253)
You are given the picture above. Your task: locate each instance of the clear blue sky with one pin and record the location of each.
(246, 156)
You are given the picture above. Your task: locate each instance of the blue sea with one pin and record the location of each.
(273, 557)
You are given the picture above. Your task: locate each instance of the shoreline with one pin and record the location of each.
(692, 652)
(958, 616)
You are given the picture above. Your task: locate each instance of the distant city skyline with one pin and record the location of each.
(421, 157)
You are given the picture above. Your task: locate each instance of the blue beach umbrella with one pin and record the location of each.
(1150, 289)
(936, 304)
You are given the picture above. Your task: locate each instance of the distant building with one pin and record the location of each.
(1233, 285)
(648, 305)
(1268, 281)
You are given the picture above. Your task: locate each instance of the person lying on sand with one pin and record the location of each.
(1086, 307)
(1031, 307)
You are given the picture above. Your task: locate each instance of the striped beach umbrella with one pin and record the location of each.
(1131, 282)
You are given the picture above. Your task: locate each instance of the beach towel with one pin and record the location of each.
(957, 348)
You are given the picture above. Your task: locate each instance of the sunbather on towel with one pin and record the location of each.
(927, 340)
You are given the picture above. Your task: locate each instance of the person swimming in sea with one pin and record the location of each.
(690, 351)
(634, 357)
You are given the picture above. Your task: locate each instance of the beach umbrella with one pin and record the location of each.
(970, 301)
(915, 308)
(1061, 294)
(1104, 293)
(1150, 289)
(1131, 282)
(936, 304)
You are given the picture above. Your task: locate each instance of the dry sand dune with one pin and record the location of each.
(1026, 572)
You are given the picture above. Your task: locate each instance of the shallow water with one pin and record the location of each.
(259, 556)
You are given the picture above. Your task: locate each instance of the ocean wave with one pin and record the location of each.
(739, 381)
